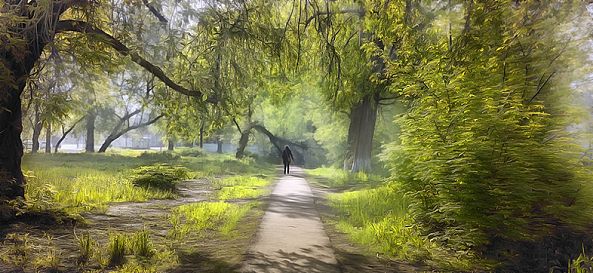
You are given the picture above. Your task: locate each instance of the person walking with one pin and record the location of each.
(286, 159)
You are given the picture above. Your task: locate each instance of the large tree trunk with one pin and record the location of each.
(11, 147)
(360, 134)
(37, 127)
(12, 182)
(171, 144)
(48, 138)
(90, 131)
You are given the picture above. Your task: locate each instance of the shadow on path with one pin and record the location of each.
(291, 237)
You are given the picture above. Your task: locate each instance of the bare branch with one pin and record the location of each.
(155, 12)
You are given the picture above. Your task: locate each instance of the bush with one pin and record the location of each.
(158, 157)
(160, 176)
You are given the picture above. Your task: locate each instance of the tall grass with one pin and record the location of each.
(379, 218)
(86, 190)
(203, 216)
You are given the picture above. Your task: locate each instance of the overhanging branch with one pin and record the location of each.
(84, 27)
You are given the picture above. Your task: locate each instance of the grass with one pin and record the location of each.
(376, 215)
(240, 187)
(126, 252)
(342, 179)
(77, 183)
(378, 218)
(200, 217)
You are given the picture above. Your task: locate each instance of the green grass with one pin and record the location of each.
(200, 217)
(241, 187)
(339, 178)
(89, 182)
(376, 216)
(379, 218)
(125, 252)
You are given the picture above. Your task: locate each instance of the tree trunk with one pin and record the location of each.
(202, 136)
(243, 143)
(171, 145)
(12, 181)
(117, 132)
(37, 127)
(219, 144)
(65, 133)
(48, 138)
(110, 139)
(360, 133)
(90, 131)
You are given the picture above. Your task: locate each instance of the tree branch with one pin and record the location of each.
(540, 87)
(84, 27)
(155, 12)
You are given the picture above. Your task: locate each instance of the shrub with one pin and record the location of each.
(160, 176)
(158, 157)
(116, 249)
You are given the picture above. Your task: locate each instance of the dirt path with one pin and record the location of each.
(291, 237)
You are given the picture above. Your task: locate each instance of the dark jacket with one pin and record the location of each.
(287, 155)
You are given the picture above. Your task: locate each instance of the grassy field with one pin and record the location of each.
(89, 182)
(220, 227)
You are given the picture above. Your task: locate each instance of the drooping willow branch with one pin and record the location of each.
(100, 35)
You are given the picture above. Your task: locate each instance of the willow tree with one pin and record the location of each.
(27, 27)
(337, 40)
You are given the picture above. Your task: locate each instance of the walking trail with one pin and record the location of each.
(291, 236)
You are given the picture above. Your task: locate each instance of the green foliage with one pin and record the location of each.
(379, 219)
(86, 247)
(582, 264)
(159, 176)
(484, 154)
(158, 157)
(84, 182)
